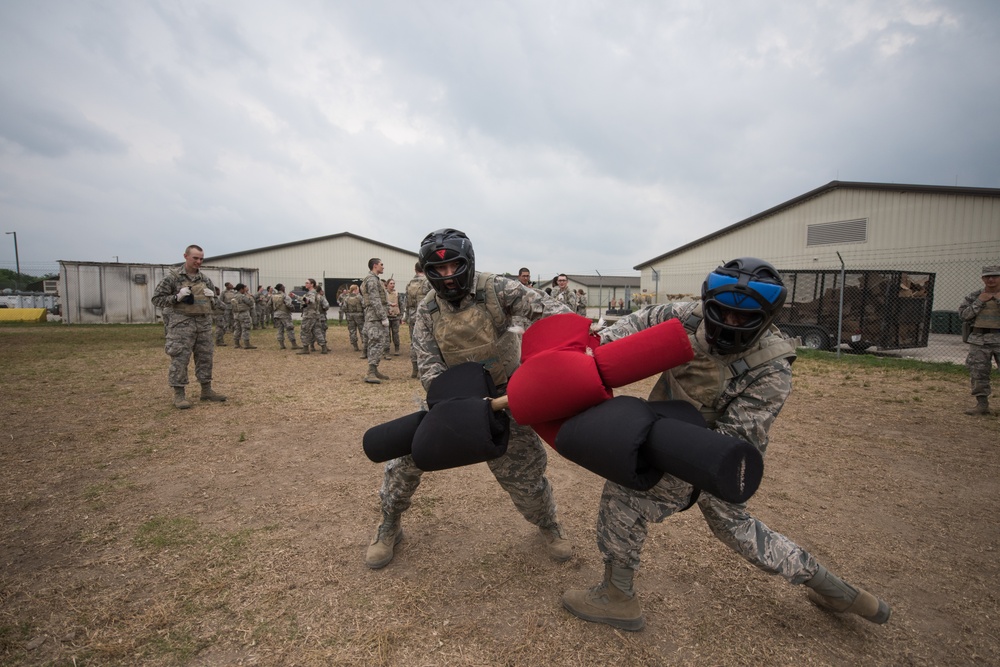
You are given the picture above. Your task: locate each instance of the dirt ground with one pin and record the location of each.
(233, 534)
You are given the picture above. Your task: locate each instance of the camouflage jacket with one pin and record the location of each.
(514, 299)
(164, 296)
(748, 404)
(373, 294)
(968, 311)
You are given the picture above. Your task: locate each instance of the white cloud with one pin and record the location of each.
(570, 137)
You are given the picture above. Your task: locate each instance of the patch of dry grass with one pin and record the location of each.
(133, 533)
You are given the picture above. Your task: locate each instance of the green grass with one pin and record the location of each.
(849, 361)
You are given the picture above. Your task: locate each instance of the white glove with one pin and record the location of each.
(385, 323)
(183, 293)
(209, 292)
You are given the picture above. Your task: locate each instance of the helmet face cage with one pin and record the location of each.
(442, 247)
(749, 287)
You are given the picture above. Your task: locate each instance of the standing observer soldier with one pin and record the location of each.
(393, 310)
(227, 315)
(243, 305)
(566, 295)
(980, 312)
(314, 307)
(281, 306)
(466, 317)
(355, 313)
(376, 319)
(190, 297)
(416, 290)
(739, 379)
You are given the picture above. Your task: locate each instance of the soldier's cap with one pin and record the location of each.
(991, 270)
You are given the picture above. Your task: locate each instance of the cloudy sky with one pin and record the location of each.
(565, 136)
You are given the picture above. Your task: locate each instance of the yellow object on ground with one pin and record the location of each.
(22, 314)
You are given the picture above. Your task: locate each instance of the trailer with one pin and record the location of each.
(884, 309)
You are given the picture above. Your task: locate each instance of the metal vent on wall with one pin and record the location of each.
(848, 231)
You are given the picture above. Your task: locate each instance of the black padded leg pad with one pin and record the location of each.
(392, 439)
(726, 467)
(460, 432)
(606, 440)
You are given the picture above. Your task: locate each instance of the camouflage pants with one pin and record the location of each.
(242, 324)
(313, 331)
(355, 323)
(220, 328)
(624, 515)
(392, 335)
(413, 351)
(184, 336)
(520, 472)
(373, 336)
(980, 364)
(283, 321)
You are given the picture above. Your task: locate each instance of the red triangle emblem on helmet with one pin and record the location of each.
(441, 253)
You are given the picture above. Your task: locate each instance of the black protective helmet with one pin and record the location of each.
(748, 286)
(442, 247)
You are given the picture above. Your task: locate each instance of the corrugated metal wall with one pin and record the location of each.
(94, 293)
(951, 235)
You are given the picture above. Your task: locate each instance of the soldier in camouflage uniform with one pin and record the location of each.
(739, 380)
(314, 307)
(227, 315)
(281, 306)
(394, 311)
(416, 290)
(190, 297)
(980, 312)
(243, 305)
(376, 319)
(565, 294)
(466, 317)
(354, 313)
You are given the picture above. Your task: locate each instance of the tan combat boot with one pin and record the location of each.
(248, 346)
(281, 345)
(606, 602)
(372, 377)
(180, 401)
(295, 345)
(236, 343)
(832, 593)
(381, 550)
(559, 548)
(207, 394)
(982, 406)
(304, 350)
(325, 350)
(380, 376)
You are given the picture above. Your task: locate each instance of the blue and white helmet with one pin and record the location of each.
(749, 287)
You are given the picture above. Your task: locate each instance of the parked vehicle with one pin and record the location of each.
(885, 309)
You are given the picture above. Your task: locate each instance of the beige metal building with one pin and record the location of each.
(330, 260)
(948, 231)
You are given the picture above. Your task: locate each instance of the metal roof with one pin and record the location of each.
(829, 187)
(312, 240)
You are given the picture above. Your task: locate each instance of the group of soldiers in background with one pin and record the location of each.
(373, 315)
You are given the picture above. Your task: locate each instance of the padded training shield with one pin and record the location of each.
(461, 427)
(555, 384)
(726, 467)
(607, 440)
(567, 331)
(392, 439)
(458, 432)
(644, 353)
(468, 380)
